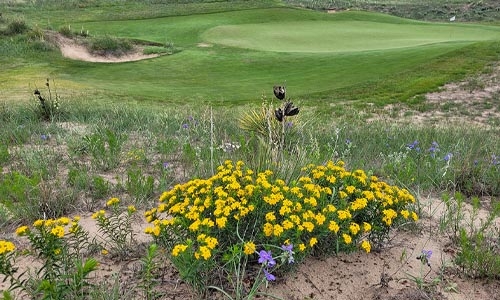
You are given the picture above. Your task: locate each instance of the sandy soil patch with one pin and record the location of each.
(72, 49)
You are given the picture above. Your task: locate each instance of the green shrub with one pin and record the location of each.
(16, 27)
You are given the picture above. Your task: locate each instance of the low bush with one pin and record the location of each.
(238, 215)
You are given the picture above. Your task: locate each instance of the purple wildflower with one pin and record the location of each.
(289, 124)
(166, 165)
(347, 141)
(448, 156)
(425, 257)
(269, 276)
(434, 148)
(495, 160)
(413, 145)
(44, 137)
(265, 257)
(185, 126)
(288, 249)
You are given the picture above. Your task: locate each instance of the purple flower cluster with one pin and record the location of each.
(267, 261)
(413, 146)
(434, 148)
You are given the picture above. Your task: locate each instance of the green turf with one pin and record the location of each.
(355, 66)
(343, 36)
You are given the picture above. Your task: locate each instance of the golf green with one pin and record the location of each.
(343, 36)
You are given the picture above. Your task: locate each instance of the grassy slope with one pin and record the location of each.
(234, 75)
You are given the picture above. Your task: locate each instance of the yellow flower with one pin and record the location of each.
(367, 227)
(313, 241)
(366, 246)
(343, 214)
(320, 219)
(104, 252)
(112, 201)
(333, 226)
(347, 238)
(98, 214)
(309, 226)
(342, 194)
(277, 230)
(205, 252)
(22, 230)
(405, 213)
(57, 251)
(211, 242)
(268, 229)
(249, 248)
(63, 221)
(38, 223)
(354, 228)
(57, 231)
(76, 218)
(302, 247)
(287, 224)
(270, 217)
(178, 249)
(359, 203)
(350, 189)
(131, 209)
(221, 222)
(6, 247)
(414, 216)
(389, 215)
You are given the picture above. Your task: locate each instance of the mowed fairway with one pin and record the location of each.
(236, 56)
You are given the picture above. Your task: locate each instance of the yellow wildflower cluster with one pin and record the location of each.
(55, 227)
(327, 203)
(6, 247)
(113, 201)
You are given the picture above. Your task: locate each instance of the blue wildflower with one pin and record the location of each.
(265, 257)
(413, 146)
(425, 257)
(434, 148)
(269, 276)
(288, 249)
(448, 156)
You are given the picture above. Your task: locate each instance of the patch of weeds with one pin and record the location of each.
(40, 162)
(149, 274)
(107, 45)
(20, 194)
(47, 106)
(99, 188)
(104, 147)
(4, 154)
(140, 187)
(16, 27)
(479, 255)
(65, 30)
(453, 216)
(479, 177)
(116, 227)
(168, 48)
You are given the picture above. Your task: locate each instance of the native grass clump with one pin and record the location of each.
(328, 210)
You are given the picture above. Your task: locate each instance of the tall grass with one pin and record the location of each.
(173, 145)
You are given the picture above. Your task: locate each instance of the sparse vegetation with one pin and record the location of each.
(245, 190)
